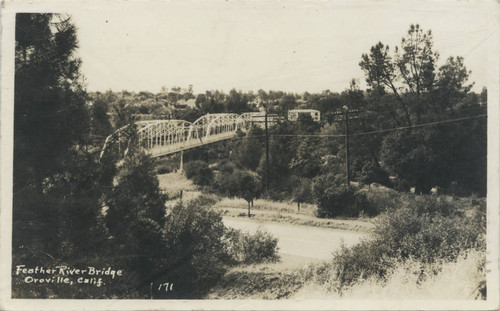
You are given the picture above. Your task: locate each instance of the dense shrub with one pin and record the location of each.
(227, 167)
(199, 172)
(162, 170)
(196, 253)
(401, 185)
(379, 199)
(382, 198)
(364, 206)
(365, 259)
(164, 166)
(371, 173)
(247, 248)
(204, 200)
(421, 233)
(334, 198)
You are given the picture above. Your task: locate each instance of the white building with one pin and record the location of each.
(293, 115)
(259, 118)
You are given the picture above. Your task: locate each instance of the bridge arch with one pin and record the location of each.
(163, 137)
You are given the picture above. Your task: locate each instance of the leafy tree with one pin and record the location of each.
(280, 156)
(305, 124)
(236, 102)
(124, 113)
(306, 162)
(286, 103)
(199, 172)
(410, 156)
(248, 149)
(373, 173)
(135, 219)
(451, 86)
(262, 95)
(327, 104)
(427, 156)
(196, 252)
(241, 184)
(416, 60)
(381, 74)
(187, 114)
(100, 124)
(412, 67)
(484, 96)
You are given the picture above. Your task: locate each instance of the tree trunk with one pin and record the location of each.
(298, 205)
(248, 208)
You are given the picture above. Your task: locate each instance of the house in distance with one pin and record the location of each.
(293, 115)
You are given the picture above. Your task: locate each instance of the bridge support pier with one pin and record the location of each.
(181, 168)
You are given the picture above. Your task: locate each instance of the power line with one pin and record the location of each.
(384, 130)
(421, 125)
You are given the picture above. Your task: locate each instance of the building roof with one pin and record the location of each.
(303, 110)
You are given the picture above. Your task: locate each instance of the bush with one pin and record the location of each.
(249, 248)
(365, 259)
(401, 185)
(204, 200)
(381, 199)
(196, 252)
(364, 206)
(371, 173)
(165, 165)
(162, 169)
(199, 172)
(334, 198)
(418, 232)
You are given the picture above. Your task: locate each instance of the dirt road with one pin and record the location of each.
(297, 240)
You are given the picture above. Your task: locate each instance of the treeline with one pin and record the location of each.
(124, 106)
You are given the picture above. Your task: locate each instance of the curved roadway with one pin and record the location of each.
(299, 240)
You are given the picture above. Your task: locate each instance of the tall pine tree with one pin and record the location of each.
(56, 200)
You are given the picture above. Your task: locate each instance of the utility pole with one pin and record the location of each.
(267, 154)
(348, 174)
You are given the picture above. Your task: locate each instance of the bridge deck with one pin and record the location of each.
(186, 145)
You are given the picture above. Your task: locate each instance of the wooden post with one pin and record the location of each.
(267, 154)
(348, 173)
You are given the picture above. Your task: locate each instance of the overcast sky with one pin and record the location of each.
(293, 46)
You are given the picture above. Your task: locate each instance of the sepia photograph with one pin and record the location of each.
(249, 155)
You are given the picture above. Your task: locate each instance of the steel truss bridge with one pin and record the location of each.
(164, 137)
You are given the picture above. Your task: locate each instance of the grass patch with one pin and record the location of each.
(173, 183)
(462, 278)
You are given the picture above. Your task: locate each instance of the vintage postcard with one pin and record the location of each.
(249, 155)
